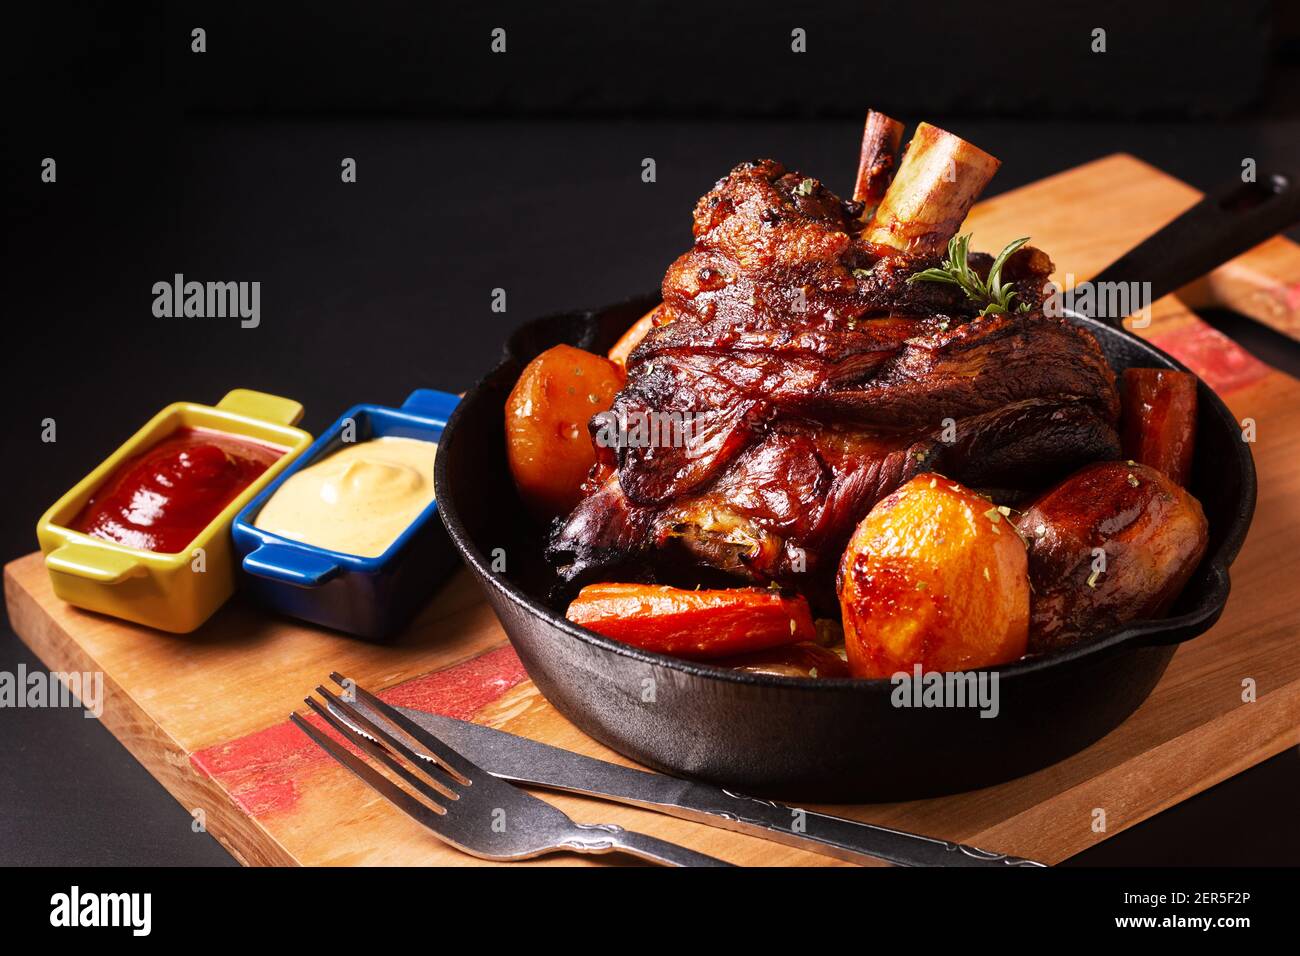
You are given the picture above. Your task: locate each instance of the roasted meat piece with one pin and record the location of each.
(807, 378)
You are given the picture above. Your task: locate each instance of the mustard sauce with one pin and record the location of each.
(357, 501)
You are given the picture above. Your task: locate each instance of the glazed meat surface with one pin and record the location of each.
(813, 379)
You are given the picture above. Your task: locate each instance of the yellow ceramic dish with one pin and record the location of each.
(172, 592)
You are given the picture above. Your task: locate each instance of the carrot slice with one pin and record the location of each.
(693, 624)
(632, 338)
(1160, 420)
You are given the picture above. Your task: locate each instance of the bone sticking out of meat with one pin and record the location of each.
(802, 418)
(881, 137)
(938, 181)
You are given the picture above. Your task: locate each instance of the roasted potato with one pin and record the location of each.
(793, 660)
(1159, 420)
(693, 624)
(935, 575)
(547, 442)
(1113, 543)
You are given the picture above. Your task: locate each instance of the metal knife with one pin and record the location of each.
(521, 760)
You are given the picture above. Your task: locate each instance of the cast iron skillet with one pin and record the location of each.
(843, 739)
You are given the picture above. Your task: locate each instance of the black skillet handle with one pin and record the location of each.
(1229, 220)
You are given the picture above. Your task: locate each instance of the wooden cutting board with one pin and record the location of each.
(206, 713)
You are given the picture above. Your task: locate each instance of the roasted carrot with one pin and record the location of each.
(693, 624)
(1159, 409)
(632, 338)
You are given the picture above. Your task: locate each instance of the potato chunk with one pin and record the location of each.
(805, 659)
(547, 441)
(1113, 543)
(935, 575)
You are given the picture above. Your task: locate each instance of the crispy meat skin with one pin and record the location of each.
(817, 379)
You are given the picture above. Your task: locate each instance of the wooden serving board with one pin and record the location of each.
(206, 713)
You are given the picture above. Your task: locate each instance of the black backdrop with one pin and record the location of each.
(707, 58)
(520, 171)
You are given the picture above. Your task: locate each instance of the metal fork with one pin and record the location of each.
(464, 805)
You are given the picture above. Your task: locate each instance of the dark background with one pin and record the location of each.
(519, 171)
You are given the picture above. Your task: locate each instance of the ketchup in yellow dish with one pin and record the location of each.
(162, 498)
(357, 501)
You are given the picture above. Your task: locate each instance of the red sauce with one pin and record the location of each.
(160, 500)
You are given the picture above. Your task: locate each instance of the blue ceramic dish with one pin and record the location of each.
(370, 597)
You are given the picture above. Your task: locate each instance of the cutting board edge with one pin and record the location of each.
(167, 761)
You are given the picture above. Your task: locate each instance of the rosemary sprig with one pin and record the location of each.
(992, 293)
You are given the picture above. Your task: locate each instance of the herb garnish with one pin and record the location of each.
(991, 293)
